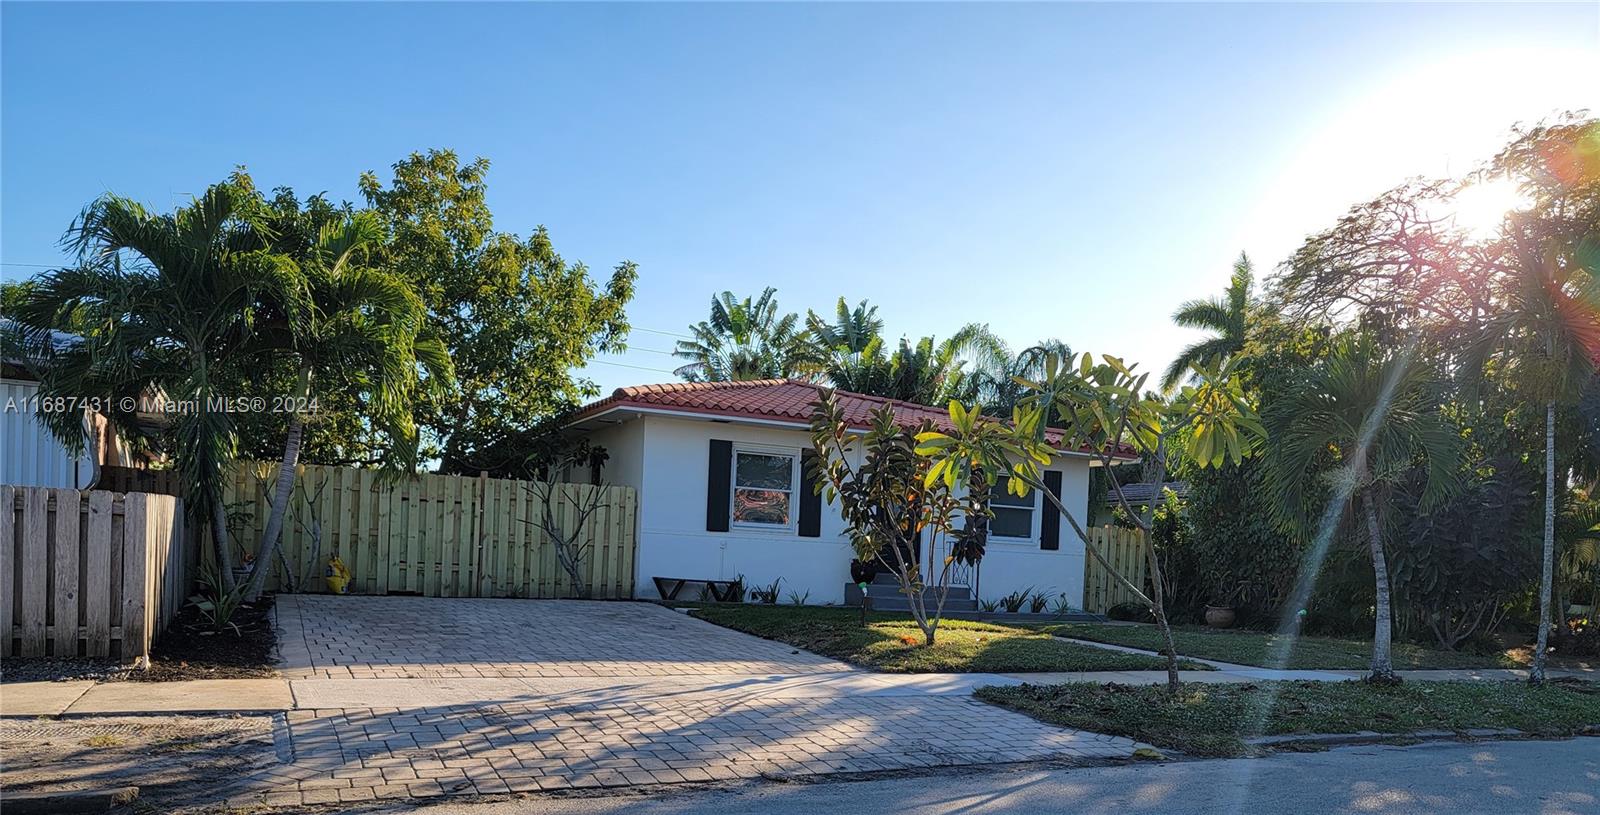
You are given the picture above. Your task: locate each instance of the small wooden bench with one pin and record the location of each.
(668, 587)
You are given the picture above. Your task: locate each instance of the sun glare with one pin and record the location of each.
(1480, 209)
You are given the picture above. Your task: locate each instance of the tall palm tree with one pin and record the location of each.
(1549, 330)
(170, 300)
(1227, 316)
(365, 331)
(742, 339)
(1371, 413)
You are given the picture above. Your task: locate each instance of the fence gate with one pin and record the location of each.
(1125, 549)
(434, 535)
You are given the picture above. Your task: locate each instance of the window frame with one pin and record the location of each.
(1032, 509)
(793, 454)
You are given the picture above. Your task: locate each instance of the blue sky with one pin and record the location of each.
(1070, 171)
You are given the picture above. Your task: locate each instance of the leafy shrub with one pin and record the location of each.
(215, 603)
(1016, 600)
(766, 595)
(1580, 637)
(1130, 613)
(1038, 602)
(798, 599)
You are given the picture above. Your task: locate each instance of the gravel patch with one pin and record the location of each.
(62, 669)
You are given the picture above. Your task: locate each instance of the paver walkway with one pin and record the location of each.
(413, 637)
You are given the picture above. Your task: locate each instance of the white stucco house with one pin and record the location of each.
(722, 492)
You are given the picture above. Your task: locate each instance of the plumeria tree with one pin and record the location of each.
(890, 496)
(1104, 409)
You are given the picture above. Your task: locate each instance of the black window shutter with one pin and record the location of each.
(719, 486)
(1050, 527)
(810, 499)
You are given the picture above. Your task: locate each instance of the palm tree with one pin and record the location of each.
(927, 372)
(1372, 414)
(170, 301)
(1549, 330)
(365, 331)
(851, 331)
(1226, 316)
(743, 339)
(853, 336)
(993, 383)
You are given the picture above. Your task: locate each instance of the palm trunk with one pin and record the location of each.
(1547, 568)
(219, 538)
(1382, 663)
(280, 505)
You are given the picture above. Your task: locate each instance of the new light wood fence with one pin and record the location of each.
(1125, 548)
(90, 573)
(434, 535)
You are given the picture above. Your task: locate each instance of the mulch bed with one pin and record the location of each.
(192, 649)
(189, 649)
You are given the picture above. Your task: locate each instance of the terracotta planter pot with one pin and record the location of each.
(1219, 616)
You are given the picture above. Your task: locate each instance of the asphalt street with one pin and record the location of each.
(1546, 777)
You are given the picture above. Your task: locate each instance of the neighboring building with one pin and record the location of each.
(1137, 496)
(722, 492)
(30, 455)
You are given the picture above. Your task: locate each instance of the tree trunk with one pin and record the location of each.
(1159, 608)
(1382, 663)
(280, 506)
(1547, 567)
(219, 537)
(1156, 475)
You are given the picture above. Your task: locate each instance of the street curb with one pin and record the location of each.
(206, 712)
(45, 803)
(1371, 737)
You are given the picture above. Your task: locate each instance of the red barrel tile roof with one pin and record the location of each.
(783, 400)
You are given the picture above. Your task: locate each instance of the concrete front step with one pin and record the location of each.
(889, 597)
(899, 604)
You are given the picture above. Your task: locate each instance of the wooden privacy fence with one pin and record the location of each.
(1125, 548)
(434, 535)
(89, 573)
(133, 479)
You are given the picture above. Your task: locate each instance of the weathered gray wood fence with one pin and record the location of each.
(89, 573)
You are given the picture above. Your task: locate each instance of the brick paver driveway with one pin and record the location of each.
(572, 694)
(415, 637)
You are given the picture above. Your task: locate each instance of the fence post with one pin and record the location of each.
(8, 564)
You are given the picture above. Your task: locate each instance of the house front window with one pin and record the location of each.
(1013, 515)
(763, 487)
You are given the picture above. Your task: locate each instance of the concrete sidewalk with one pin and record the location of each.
(18, 699)
(80, 698)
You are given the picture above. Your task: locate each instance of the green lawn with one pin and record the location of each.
(1212, 720)
(1257, 648)
(892, 643)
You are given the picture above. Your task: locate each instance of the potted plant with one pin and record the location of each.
(1221, 614)
(862, 571)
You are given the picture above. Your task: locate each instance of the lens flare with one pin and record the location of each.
(1481, 209)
